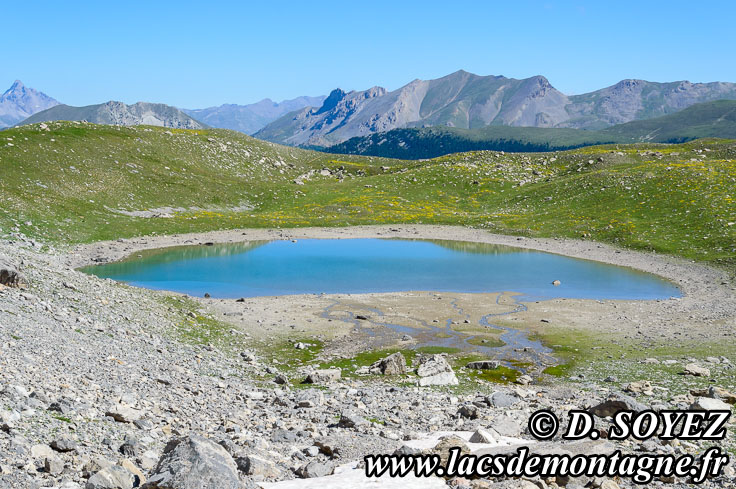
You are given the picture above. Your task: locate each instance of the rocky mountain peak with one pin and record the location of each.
(332, 100)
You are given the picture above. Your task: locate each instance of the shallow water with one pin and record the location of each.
(332, 266)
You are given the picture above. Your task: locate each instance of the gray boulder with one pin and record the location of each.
(394, 364)
(112, 477)
(484, 365)
(10, 274)
(194, 462)
(612, 405)
(324, 376)
(434, 370)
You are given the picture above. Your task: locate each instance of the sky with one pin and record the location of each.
(200, 54)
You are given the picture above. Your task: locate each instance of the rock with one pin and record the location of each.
(315, 468)
(434, 370)
(484, 365)
(483, 436)
(349, 419)
(324, 376)
(640, 387)
(469, 411)
(696, 370)
(505, 425)
(53, 464)
(394, 364)
(710, 404)
(41, 451)
(502, 399)
(112, 477)
(10, 275)
(64, 444)
(123, 413)
(257, 467)
(716, 393)
(612, 405)
(138, 477)
(609, 484)
(194, 462)
(445, 443)
(281, 379)
(524, 380)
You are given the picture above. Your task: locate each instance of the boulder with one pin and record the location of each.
(484, 365)
(484, 436)
(434, 370)
(194, 462)
(445, 443)
(696, 370)
(324, 376)
(503, 400)
(349, 419)
(716, 393)
(112, 477)
(10, 274)
(316, 468)
(710, 404)
(612, 405)
(640, 387)
(394, 364)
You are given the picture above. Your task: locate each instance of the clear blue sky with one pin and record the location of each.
(198, 54)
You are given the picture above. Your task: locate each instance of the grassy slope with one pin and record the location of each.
(71, 182)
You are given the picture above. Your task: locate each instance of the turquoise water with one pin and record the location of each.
(313, 266)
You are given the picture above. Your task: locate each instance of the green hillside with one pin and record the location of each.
(710, 119)
(78, 182)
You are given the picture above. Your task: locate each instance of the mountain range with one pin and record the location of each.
(715, 119)
(252, 117)
(19, 102)
(465, 100)
(118, 113)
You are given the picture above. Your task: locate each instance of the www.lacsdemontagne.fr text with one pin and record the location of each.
(641, 468)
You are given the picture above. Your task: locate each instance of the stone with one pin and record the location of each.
(612, 405)
(138, 477)
(123, 413)
(483, 436)
(469, 411)
(710, 404)
(394, 364)
(112, 477)
(315, 468)
(716, 393)
(446, 443)
(257, 467)
(484, 365)
(505, 425)
(10, 274)
(194, 462)
(434, 370)
(640, 387)
(349, 419)
(64, 444)
(696, 370)
(503, 400)
(53, 464)
(323, 376)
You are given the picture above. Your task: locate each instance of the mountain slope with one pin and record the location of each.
(252, 117)
(630, 100)
(19, 102)
(121, 114)
(707, 120)
(468, 101)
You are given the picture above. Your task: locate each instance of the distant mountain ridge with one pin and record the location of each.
(251, 117)
(20, 102)
(715, 119)
(466, 100)
(118, 113)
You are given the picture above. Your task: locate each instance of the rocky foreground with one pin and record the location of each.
(97, 392)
